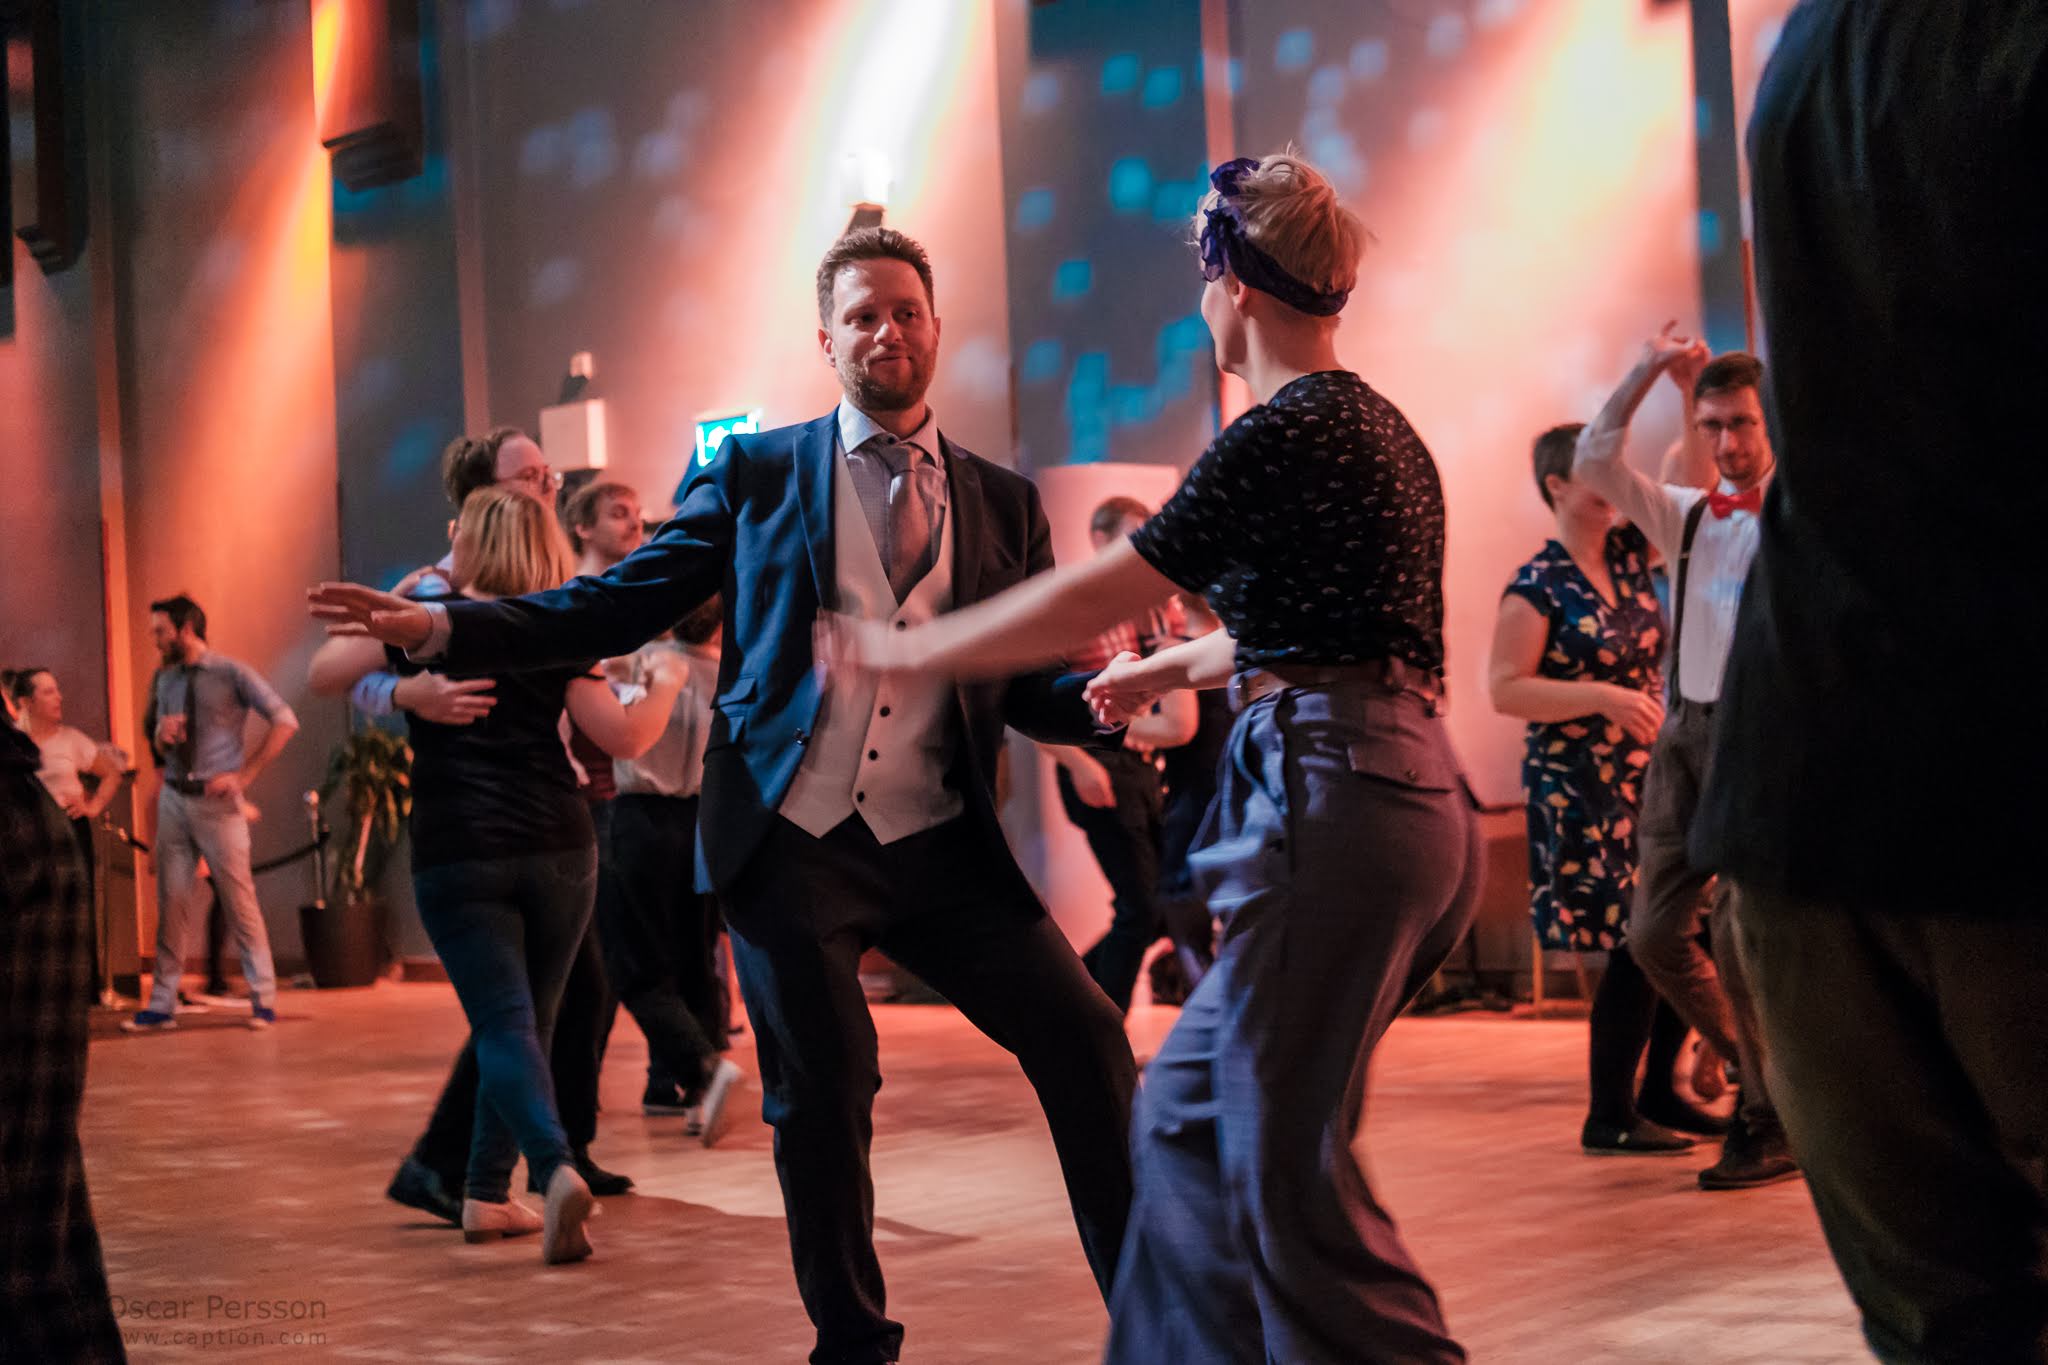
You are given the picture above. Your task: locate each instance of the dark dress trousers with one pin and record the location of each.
(950, 904)
(1876, 789)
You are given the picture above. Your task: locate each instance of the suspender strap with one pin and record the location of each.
(1692, 529)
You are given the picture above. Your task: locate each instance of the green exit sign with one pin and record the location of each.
(712, 431)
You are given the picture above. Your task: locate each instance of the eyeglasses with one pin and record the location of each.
(542, 480)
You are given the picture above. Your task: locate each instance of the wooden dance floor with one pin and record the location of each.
(238, 1181)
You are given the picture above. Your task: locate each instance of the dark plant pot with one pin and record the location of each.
(343, 944)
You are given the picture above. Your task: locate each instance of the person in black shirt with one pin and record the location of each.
(1341, 850)
(1875, 789)
(505, 866)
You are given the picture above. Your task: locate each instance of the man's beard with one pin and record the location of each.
(870, 394)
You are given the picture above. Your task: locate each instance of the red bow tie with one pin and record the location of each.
(1725, 505)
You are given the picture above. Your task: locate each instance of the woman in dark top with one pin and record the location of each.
(505, 865)
(1577, 653)
(1340, 852)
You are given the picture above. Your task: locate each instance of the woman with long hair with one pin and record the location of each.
(1340, 852)
(505, 864)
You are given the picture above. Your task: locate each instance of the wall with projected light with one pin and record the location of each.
(249, 379)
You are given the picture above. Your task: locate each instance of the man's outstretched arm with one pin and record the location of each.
(586, 618)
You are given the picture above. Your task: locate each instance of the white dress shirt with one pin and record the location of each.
(1721, 551)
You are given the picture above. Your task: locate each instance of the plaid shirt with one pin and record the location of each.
(1144, 637)
(53, 1284)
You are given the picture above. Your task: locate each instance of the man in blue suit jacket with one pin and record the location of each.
(836, 818)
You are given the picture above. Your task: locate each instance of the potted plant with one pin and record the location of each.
(369, 779)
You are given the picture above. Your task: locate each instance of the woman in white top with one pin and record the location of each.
(68, 755)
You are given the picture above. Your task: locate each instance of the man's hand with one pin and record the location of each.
(1119, 694)
(78, 808)
(170, 732)
(1667, 352)
(1639, 714)
(1684, 368)
(226, 784)
(444, 700)
(352, 609)
(1090, 779)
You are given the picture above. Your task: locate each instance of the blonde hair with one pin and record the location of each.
(509, 544)
(1291, 212)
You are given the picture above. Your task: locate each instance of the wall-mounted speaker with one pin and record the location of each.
(55, 33)
(372, 120)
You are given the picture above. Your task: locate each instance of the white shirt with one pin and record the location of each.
(674, 765)
(1722, 549)
(66, 753)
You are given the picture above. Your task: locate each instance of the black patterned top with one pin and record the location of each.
(1314, 524)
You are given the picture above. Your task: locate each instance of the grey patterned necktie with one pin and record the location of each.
(913, 494)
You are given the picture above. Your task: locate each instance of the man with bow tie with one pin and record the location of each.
(1709, 537)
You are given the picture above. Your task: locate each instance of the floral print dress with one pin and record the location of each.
(1583, 778)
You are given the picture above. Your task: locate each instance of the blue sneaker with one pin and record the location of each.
(148, 1021)
(261, 1016)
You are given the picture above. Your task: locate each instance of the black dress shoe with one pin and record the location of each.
(602, 1183)
(417, 1187)
(1750, 1160)
(1641, 1138)
(1674, 1113)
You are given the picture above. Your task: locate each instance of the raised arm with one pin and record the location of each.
(1601, 458)
(1689, 462)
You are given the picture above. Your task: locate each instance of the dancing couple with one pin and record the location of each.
(851, 805)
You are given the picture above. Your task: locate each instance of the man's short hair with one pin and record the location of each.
(1110, 515)
(1553, 455)
(471, 462)
(871, 244)
(586, 504)
(1735, 370)
(183, 612)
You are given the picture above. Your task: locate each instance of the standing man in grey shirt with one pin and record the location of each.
(199, 704)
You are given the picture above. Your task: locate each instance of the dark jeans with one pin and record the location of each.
(508, 931)
(1343, 856)
(801, 915)
(1913, 1051)
(1125, 841)
(1664, 930)
(654, 936)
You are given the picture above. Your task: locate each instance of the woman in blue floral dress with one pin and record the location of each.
(1576, 653)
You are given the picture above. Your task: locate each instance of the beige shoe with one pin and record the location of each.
(569, 1203)
(483, 1222)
